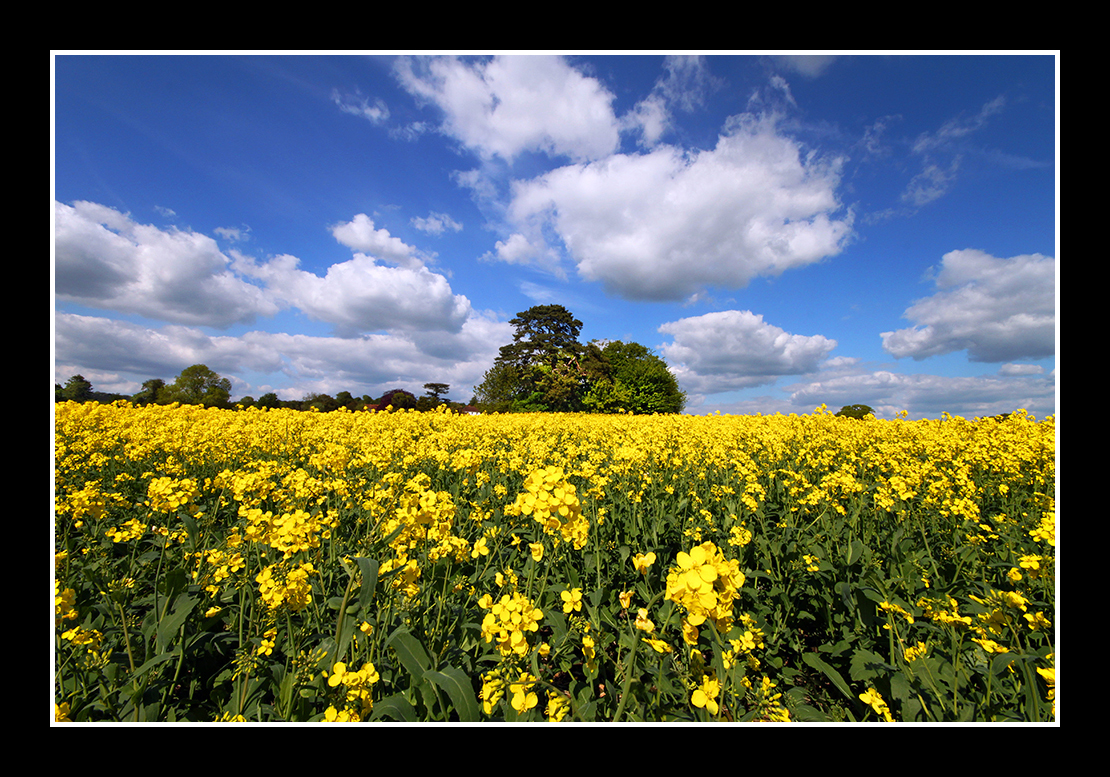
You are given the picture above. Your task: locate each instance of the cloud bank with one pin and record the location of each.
(394, 318)
(667, 224)
(997, 310)
(663, 223)
(104, 259)
(735, 349)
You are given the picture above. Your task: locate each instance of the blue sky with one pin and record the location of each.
(785, 231)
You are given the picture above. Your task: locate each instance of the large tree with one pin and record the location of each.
(198, 385)
(501, 390)
(546, 335)
(151, 392)
(436, 392)
(546, 368)
(638, 382)
(76, 389)
(539, 369)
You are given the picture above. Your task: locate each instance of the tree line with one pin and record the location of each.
(544, 369)
(199, 385)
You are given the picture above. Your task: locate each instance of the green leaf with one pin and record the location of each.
(396, 707)
(815, 661)
(329, 650)
(412, 654)
(345, 637)
(192, 530)
(855, 550)
(173, 582)
(900, 688)
(845, 592)
(169, 625)
(460, 689)
(159, 659)
(803, 712)
(285, 688)
(558, 624)
(866, 666)
(369, 569)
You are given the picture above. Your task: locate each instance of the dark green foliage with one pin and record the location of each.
(269, 401)
(198, 385)
(855, 411)
(323, 403)
(642, 379)
(76, 389)
(436, 392)
(151, 392)
(545, 368)
(398, 398)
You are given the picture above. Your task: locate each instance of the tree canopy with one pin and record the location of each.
(640, 381)
(198, 385)
(76, 389)
(855, 411)
(436, 391)
(546, 368)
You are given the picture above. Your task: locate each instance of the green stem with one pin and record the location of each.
(342, 616)
(126, 636)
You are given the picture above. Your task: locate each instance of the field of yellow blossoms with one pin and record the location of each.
(215, 565)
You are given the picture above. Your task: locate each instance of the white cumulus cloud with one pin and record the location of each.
(361, 296)
(360, 234)
(666, 224)
(504, 106)
(734, 349)
(998, 310)
(105, 259)
(123, 355)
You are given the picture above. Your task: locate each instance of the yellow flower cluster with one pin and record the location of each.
(89, 638)
(896, 609)
(293, 590)
(407, 575)
(168, 495)
(522, 694)
(875, 700)
(88, 502)
(359, 702)
(1048, 674)
(266, 648)
(65, 601)
(524, 697)
(424, 518)
(946, 612)
(1046, 529)
(553, 501)
(915, 652)
(746, 644)
(414, 491)
(509, 621)
(706, 693)
(706, 584)
(493, 690)
(225, 564)
(289, 533)
(131, 530)
(558, 706)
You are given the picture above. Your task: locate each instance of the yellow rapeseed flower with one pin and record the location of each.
(875, 700)
(572, 600)
(705, 695)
